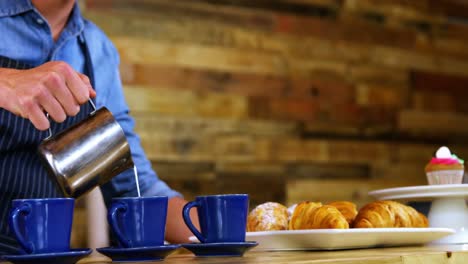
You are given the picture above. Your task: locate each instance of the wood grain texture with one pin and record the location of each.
(319, 75)
(399, 10)
(453, 8)
(438, 124)
(148, 122)
(243, 83)
(310, 99)
(186, 103)
(399, 255)
(145, 51)
(268, 22)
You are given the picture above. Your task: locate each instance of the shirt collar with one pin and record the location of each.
(14, 7)
(75, 23)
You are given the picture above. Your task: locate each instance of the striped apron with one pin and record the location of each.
(21, 172)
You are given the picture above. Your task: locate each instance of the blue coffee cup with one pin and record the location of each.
(42, 225)
(138, 221)
(223, 218)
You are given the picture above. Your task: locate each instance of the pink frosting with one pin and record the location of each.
(444, 161)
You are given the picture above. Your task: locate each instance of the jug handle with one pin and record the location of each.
(94, 111)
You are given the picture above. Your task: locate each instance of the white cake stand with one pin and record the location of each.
(448, 209)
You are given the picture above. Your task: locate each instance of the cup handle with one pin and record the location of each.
(115, 210)
(18, 212)
(188, 221)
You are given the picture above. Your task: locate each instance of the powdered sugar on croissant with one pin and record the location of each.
(268, 216)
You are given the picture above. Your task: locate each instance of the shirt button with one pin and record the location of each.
(40, 21)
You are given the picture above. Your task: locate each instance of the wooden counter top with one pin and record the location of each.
(397, 255)
(411, 255)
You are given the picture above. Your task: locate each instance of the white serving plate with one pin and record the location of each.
(423, 191)
(334, 239)
(448, 206)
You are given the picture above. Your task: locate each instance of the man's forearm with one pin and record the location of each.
(176, 230)
(7, 99)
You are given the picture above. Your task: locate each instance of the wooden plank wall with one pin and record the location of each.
(292, 100)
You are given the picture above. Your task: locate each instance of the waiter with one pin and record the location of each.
(53, 61)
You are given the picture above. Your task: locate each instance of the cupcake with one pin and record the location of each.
(445, 168)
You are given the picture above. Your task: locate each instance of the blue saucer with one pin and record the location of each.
(222, 249)
(70, 257)
(138, 253)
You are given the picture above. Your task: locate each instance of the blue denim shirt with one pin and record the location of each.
(26, 36)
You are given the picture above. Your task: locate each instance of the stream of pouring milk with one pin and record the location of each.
(136, 180)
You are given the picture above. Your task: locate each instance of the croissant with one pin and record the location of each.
(268, 216)
(347, 209)
(299, 211)
(389, 214)
(310, 215)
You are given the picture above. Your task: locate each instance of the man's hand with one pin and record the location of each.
(54, 88)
